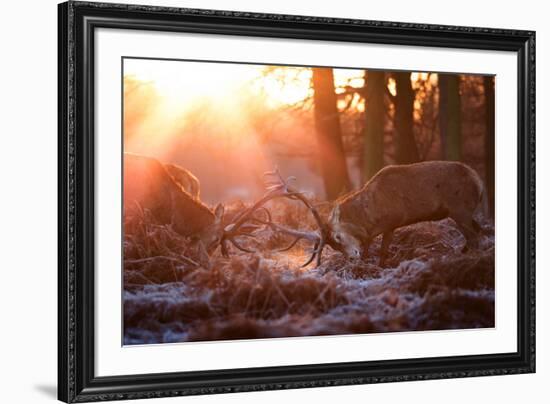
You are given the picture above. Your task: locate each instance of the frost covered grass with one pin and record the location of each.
(172, 294)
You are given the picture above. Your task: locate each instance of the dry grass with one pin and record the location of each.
(427, 284)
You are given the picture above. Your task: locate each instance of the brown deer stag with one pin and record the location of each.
(402, 195)
(396, 196)
(149, 185)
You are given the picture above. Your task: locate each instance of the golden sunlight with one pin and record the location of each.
(182, 82)
(166, 99)
(283, 85)
(168, 102)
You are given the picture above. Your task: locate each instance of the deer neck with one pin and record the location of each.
(190, 216)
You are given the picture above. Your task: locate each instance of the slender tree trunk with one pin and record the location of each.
(329, 135)
(450, 122)
(406, 150)
(443, 112)
(489, 90)
(373, 152)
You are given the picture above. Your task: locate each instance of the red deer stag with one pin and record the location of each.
(401, 195)
(396, 196)
(149, 185)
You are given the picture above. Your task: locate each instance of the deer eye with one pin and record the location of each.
(337, 238)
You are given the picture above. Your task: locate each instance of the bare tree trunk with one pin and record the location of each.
(489, 90)
(373, 152)
(450, 122)
(329, 135)
(443, 112)
(406, 150)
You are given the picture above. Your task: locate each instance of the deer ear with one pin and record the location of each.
(218, 212)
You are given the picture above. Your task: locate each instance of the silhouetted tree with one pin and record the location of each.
(450, 116)
(373, 151)
(329, 135)
(443, 114)
(489, 90)
(406, 150)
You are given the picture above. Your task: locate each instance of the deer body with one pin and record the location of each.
(148, 185)
(401, 195)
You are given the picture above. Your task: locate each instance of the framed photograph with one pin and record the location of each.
(257, 201)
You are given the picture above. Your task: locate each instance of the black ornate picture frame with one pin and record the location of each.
(78, 22)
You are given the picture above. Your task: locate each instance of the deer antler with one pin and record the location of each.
(278, 187)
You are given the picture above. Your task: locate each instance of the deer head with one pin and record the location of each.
(344, 236)
(212, 234)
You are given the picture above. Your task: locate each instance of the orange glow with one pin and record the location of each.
(164, 99)
(348, 77)
(227, 121)
(179, 94)
(285, 85)
(170, 104)
(181, 82)
(392, 86)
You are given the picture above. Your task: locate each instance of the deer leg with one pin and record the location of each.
(470, 232)
(476, 226)
(365, 248)
(386, 240)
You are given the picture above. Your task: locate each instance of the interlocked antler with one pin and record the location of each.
(278, 187)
